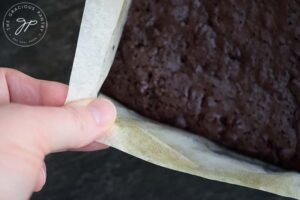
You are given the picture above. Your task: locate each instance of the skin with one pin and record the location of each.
(34, 122)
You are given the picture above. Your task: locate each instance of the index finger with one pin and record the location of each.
(19, 88)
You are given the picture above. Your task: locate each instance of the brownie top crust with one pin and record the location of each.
(227, 70)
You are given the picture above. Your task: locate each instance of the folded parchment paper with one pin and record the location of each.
(157, 143)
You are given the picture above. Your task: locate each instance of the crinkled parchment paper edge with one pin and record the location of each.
(182, 151)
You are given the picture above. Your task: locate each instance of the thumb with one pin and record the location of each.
(82, 123)
(78, 123)
(56, 129)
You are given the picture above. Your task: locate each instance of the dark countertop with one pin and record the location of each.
(107, 174)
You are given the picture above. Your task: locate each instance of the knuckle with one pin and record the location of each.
(82, 126)
(80, 120)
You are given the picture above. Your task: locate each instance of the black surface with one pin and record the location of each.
(108, 174)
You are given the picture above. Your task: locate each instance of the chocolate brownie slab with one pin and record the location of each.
(227, 70)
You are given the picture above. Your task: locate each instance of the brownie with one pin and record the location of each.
(227, 70)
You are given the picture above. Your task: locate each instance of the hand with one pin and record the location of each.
(34, 122)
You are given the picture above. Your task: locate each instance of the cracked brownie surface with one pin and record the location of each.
(227, 70)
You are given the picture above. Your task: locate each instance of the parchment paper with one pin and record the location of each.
(170, 147)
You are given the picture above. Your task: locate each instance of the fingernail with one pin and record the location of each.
(103, 111)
